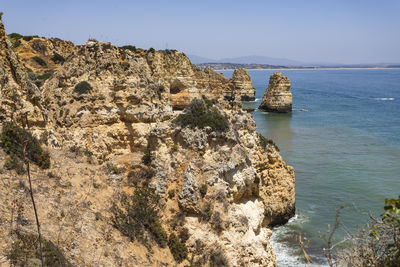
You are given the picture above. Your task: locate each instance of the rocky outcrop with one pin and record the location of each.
(128, 90)
(96, 115)
(52, 51)
(249, 187)
(242, 85)
(19, 97)
(277, 97)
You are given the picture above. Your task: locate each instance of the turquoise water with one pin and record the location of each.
(343, 140)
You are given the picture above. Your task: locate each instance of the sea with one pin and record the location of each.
(343, 140)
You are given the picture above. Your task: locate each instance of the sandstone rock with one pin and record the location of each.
(49, 50)
(242, 85)
(128, 106)
(19, 97)
(277, 97)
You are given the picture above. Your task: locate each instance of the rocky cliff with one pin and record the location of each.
(19, 96)
(42, 55)
(277, 97)
(108, 118)
(241, 83)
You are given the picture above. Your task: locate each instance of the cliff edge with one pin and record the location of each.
(145, 127)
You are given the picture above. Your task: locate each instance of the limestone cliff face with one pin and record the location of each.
(52, 51)
(112, 103)
(277, 97)
(128, 91)
(241, 83)
(19, 97)
(249, 187)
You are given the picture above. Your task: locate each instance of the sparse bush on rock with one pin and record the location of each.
(199, 114)
(137, 215)
(57, 58)
(12, 140)
(39, 61)
(147, 156)
(264, 141)
(177, 247)
(82, 88)
(203, 190)
(128, 47)
(25, 252)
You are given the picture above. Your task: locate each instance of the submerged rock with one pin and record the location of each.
(277, 97)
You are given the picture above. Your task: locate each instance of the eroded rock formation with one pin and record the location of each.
(97, 114)
(19, 97)
(241, 83)
(52, 51)
(277, 97)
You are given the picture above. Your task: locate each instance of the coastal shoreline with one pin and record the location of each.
(377, 68)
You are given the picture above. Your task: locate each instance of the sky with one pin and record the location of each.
(323, 31)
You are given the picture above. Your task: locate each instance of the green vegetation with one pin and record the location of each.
(15, 39)
(376, 244)
(171, 193)
(206, 211)
(151, 50)
(29, 37)
(218, 259)
(208, 102)
(137, 214)
(58, 59)
(177, 247)
(44, 76)
(169, 51)
(13, 139)
(25, 252)
(82, 88)
(37, 78)
(128, 47)
(203, 190)
(140, 175)
(147, 156)
(264, 141)
(16, 36)
(39, 61)
(14, 163)
(113, 169)
(199, 114)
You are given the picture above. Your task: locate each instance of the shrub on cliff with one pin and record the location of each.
(139, 213)
(128, 47)
(13, 139)
(82, 88)
(376, 244)
(16, 36)
(29, 37)
(15, 39)
(264, 141)
(177, 247)
(39, 61)
(199, 114)
(25, 252)
(57, 58)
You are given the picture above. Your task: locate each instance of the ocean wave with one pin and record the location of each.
(385, 98)
(288, 253)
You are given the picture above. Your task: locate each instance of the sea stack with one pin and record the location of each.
(241, 83)
(277, 97)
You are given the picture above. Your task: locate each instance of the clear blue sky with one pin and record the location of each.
(345, 31)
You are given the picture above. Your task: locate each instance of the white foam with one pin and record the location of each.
(385, 98)
(287, 255)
